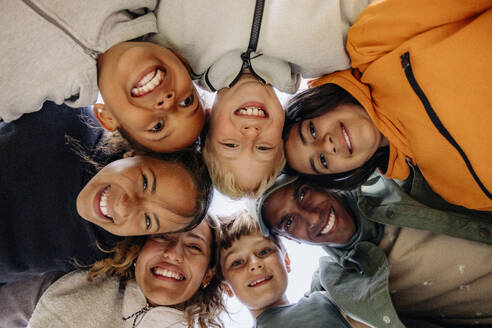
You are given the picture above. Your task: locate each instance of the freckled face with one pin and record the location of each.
(301, 212)
(170, 269)
(139, 196)
(338, 141)
(148, 92)
(255, 269)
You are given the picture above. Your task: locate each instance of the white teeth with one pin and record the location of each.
(103, 203)
(254, 283)
(347, 139)
(331, 222)
(148, 83)
(252, 111)
(168, 274)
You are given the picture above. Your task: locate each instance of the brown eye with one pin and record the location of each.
(188, 101)
(158, 127)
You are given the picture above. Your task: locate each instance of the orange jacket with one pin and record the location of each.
(446, 47)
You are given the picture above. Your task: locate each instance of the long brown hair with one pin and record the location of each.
(202, 309)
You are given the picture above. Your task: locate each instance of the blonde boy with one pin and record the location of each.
(244, 149)
(254, 268)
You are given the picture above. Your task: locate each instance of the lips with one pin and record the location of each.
(101, 204)
(148, 81)
(167, 272)
(331, 223)
(346, 137)
(254, 110)
(260, 281)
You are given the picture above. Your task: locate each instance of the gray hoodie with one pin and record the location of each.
(50, 48)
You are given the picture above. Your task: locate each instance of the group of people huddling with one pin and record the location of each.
(385, 161)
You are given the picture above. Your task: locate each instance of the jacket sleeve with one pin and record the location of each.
(386, 24)
(19, 298)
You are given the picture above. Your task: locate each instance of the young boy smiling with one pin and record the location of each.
(255, 268)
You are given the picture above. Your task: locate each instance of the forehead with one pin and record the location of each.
(201, 232)
(279, 202)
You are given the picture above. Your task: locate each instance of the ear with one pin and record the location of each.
(287, 262)
(226, 288)
(105, 118)
(208, 276)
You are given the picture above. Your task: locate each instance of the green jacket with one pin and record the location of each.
(356, 274)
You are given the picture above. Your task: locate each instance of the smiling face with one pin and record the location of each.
(338, 141)
(300, 212)
(139, 196)
(170, 269)
(256, 271)
(245, 130)
(147, 92)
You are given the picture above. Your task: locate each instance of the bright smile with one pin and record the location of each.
(101, 204)
(252, 110)
(330, 224)
(260, 281)
(167, 274)
(150, 79)
(346, 137)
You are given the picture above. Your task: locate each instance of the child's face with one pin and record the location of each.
(309, 215)
(148, 93)
(170, 269)
(256, 271)
(338, 141)
(246, 130)
(139, 196)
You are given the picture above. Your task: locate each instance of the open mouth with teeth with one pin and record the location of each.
(166, 274)
(252, 110)
(331, 224)
(148, 81)
(346, 138)
(102, 203)
(260, 281)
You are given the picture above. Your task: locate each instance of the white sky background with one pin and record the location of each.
(304, 260)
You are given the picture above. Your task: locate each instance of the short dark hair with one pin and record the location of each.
(315, 102)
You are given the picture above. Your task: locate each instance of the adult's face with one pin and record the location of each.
(301, 212)
(139, 196)
(170, 269)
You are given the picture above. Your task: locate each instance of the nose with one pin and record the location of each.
(255, 264)
(327, 144)
(174, 252)
(250, 130)
(165, 101)
(125, 207)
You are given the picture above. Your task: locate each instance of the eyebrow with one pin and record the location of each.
(311, 162)
(299, 127)
(157, 223)
(154, 181)
(195, 110)
(197, 236)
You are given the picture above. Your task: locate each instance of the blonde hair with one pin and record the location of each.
(202, 309)
(225, 182)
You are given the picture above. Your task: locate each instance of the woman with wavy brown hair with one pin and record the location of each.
(151, 281)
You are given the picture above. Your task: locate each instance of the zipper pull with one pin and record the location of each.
(93, 53)
(405, 60)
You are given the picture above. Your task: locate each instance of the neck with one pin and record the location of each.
(281, 301)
